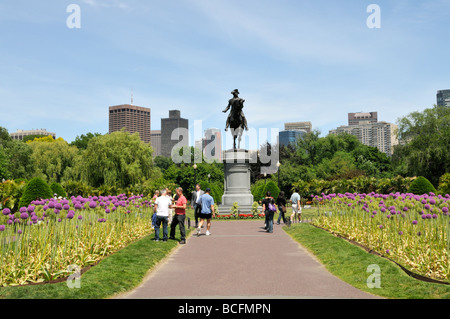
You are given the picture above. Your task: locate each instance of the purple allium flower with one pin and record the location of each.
(30, 209)
(6, 211)
(387, 251)
(383, 210)
(59, 220)
(80, 217)
(23, 210)
(24, 215)
(429, 216)
(92, 204)
(66, 207)
(432, 201)
(70, 215)
(424, 216)
(45, 208)
(58, 206)
(427, 206)
(381, 226)
(51, 204)
(435, 216)
(34, 218)
(374, 212)
(10, 221)
(78, 206)
(414, 222)
(444, 209)
(2, 227)
(107, 211)
(405, 209)
(400, 233)
(19, 231)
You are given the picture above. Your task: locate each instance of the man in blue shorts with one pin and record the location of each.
(207, 212)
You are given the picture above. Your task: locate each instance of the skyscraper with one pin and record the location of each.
(168, 126)
(290, 137)
(132, 118)
(155, 142)
(443, 98)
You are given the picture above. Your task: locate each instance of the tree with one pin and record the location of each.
(52, 158)
(421, 186)
(21, 161)
(82, 141)
(425, 137)
(58, 190)
(118, 159)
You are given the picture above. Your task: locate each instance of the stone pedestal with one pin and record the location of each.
(237, 181)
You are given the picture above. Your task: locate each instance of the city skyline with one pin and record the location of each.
(311, 61)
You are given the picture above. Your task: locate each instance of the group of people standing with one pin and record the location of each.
(268, 207)
(202, 203)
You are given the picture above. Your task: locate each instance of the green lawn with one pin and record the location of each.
(350, 263)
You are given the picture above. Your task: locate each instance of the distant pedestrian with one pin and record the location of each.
(281, 203)
(195, 199)
(179, 217)
(162, 205)
(268, 207)
(169, 194)
(296, 207)
(207, 211)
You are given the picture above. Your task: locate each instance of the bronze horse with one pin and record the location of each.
(236, 119)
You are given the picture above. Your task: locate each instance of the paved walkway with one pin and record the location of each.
(241, 260)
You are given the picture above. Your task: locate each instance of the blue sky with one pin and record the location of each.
(291, 60)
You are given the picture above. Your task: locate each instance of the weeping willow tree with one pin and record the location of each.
(118, 159)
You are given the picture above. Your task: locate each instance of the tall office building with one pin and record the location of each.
(381, 135)
(443, 98)
(296, 126)
(20, 134)
(131, 117)
(362, 118)
(168, 126)
(155, 142)
(290, 137)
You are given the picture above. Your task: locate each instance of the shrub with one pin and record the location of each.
(58, 190)
(421, 186)
(271, 187)
(216, 190)
(35, 189)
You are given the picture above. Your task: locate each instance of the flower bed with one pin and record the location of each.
(412, 230)
(39, 242)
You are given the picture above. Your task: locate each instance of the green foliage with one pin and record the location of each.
(82, 141)
(53, 158)
(21, 161)
(35, 189)
(4, 164)
(257, 190)
(271, 187)
(255, 209)
(58, 190)
(426, 136)
(234, 210)
(10, 194)
(118, 159)
(444, 184)
(421, 186)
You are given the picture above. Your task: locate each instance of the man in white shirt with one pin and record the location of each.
(162, 205)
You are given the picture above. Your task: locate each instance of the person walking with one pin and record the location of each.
(281, 203)
(162, 205)
(207, 211)
(180, 216)
(268, 207)
(195, 202)
(296, 207)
